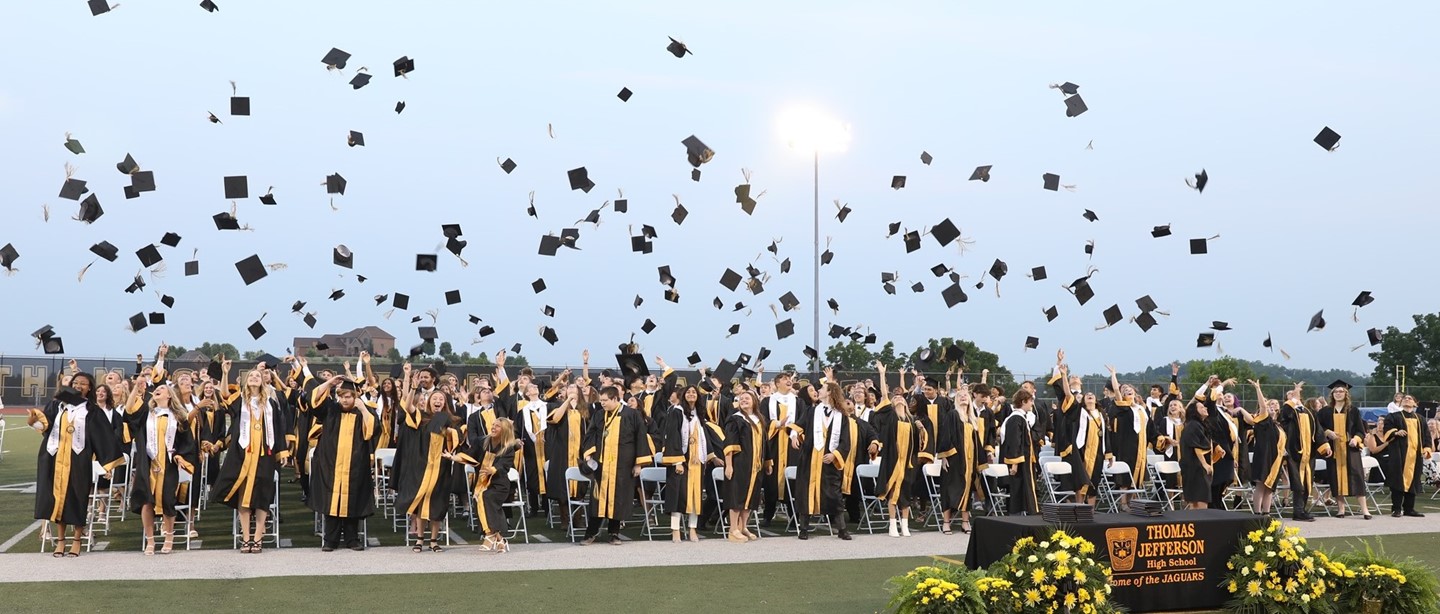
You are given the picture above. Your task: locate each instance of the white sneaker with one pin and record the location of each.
(905, 528)
(894, 532)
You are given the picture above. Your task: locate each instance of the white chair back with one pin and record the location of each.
(386, 456)
(1119, 467)
(1369, 462)
(1058, 468)
(1168, 467)
(573, 474)
(717, 474)
(866, 471)
(513, 474)
(790, 473)
(930, 469)
(652, 474)
(997, 470)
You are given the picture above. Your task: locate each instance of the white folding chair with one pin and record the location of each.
(999, 498)
(1052, 472)
(930, 472)
(184, 517)
(1170, 495)
(270, 532)
(384, 495)
(652, 483)
(874, 512)
(1369, 464)
(2, 439)
(473, 520)
(1110, 478)
(793, 526)
(1322, 492)
(516, 503)
(575, 507)
(99, 501)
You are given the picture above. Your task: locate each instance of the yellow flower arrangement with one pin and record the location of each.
(1272, 571)
(1054, 573)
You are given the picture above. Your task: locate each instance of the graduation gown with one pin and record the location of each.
(819, 485)
(902, 444)
(1131, 444)
(1267, 450)
(491, 492)
(63, 477)
(530, 422)
(745, 448)
(1406, 470)
(618, 441)
(341, 482)
(247, 476)
(421, 478)
(157, 480)
(694, 448)
(959, 445)
(564, 436)
(1089, 444)
(210, 425)
(1195, 482)
(1303, 440)
(1344, 472)
(780, 412)
(1017, 449)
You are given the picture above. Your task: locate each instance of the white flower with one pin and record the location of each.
(1269, 538)
(1033, 559)
(1249, 550)
(1050, 556)
(1305, 597)
(1044, 545)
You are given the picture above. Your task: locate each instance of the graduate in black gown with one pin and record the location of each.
(258, 446)
(564, 438)
(962, 458)
(164, 447)
(1130, 433)
(745, 437)
(1224, 434)
(690, 447)
(209, 424)
(428, 434)
(1081, 438)
(342, 488)
(779, 409)
(901, 440)
(1303, 439)
(493, 457)
(616, 447)
(1196, 467)
(1018, 449)
(1267, 449)
(821, 443)
(1409, 445)
(73, 432)
(1341, 425)
(927, 407)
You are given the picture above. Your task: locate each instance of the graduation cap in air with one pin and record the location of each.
(998, 269)
(355, 138)
(73, 189)
(149, 255)
(128, 165)
(251, 269)
(240, 106)
(548, 311)
(1090, 215)
(1032, 343)
(267, 199)
(679, 214)
(1083, 292)
(136, 284)
(90, 210)
(256, 330)
(1160, 231)
(1374, 336)
(1051, 314)
(486, 331)
(789, 302)
(784, 329)
(730, 279)
(404, 66)
(632, 365)
(426, 262)
(648, 326)
(192, 268)
(580, 179)
(427, 333)
(1317, 321)
(1219, 326)
(1146, 304)
(452, 297)
(361, 79)
(953, 295)
(696, 152)
(912, 241)
(210, 6)
(1074, 106)
(105, 250)
(926, 158)
(99, 7)
(73, 146)
(641, 245)
(335, 59)
(170, 239)
(336, 295)
(157, 318)
(624, 94)
(1363, 299)
(843, 212)
(237, 187)
(1205, 340)
(917, 287)
(1112, 316)
(1198, 184)
(982, 173)
(343, 257)
(310, 321)
(335, 184)
(1067, 88)
(1199, 246)
(1145, 321)
(508, 166)
(1052, 181)
(945, 232)
(897, 182)
(399, 106)
(1327, 139)
(549, 245)
(677, 48)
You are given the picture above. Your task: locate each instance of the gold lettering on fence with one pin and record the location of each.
(33, 380)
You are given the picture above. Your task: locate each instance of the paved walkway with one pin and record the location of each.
(30, 566)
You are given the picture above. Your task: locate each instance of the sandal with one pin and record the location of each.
(169, 546)
(736, 538)
(149, 549)
(74, 549)
(417, 548)
(435, 546)
(492, 544)
(256, 547)
(59, 549)
(965, 526)
(945, 529)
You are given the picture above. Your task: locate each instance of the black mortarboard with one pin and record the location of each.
(917, 287)
(336, 295)
(361, 79)
(73, 189)
(427, 333)
(810, 353)
(666, 278)
(843, 213)
(621, 205)
(897, 181)
(335, 184)
(342, 256)
(138, 323)
(833, 304)
(632, 365)
(696, 152)
(508, 165)
(1083, 292)
(886, 277)
(192, 267)
(1032, 343)
(894, 227)
(1160, 231)
(426, 262)
(1090, 215)
(214, 369)
(149, 255)
(1327, 139)
(399, 106)
(671, 295)
(299, 305)
(240, 105)
(648, 232)
(1363, 299)
(538, 285)
(945, 232)
(981, 172)
(267, 199)
(788, 301)
(548, 311)
(209, 5)
(404, 66)
(785, 265)
(310, 321)
(549, 335)
(784, 329)
(953, 295)
(1205, 340)
(105, 250)
(678, 215)
(53, 345)
(1146, 304)
(67, 394)
(640, 245)
(580, 179)
(452, 297)
(1145, 321)
(157, 318)
(1052, 181)
(170, 239)
(1317, 321)
(1201, 178)
(1373, 335)
(128, 165)
(648, 326)
(569, 237)
(912, 241)
(1217, 325)
(926, 158)
(1038, 273)
(1112, 315)
(486, 331)
(677, 48)
(267, 359)
(1268, 342)
(734, 329)
(74, 146)
(1074, 106)
(90, 209)
(99, 7)
(1051, 314)
(940, 270)
(355, 138)
(237, 187)
(256, 330)
(889, 287)
(251, 269)
(730, 279)
(999, 269)
(335, 58)
(624, 94)
(549, 244)
(1199, 246)
(1339, 383)
(135, 286)
(826, 257)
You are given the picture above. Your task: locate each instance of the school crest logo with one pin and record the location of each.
(1121, 542)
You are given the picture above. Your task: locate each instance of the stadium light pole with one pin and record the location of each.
(811, 129)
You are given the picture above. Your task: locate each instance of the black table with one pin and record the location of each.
(1164, 563)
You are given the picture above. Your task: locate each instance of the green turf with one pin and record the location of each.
(824, 586)
(17, 466)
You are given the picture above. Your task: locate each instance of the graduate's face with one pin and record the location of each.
(1272, 404)
(82, 383)
(1089, 399)
(692, 396)
(346, 398)
(425, 379)
(1339, 394)
(112, 379)
(929, 391)
(1176, 409)
(1127, 390)
(207, 389)
(495, 429)
(1202, 410)
(102, 394)
(436, 401)
(745, 402)
(1154, 392)
(161, 394)
(1228, 400)
(766, 389)
(1408, 403)
(254, 378)
(962, 397)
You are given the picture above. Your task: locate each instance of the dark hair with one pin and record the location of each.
(610, 393)
(109, 396)
(689, 409)
(1192, 412)
(1022, 396)
(89, 394)
(434, 375)
(1157, 386)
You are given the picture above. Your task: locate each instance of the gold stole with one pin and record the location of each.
(609, 457)
(1307, 439)
(481, 483)
(816, 454)
(1341, 456)
(694, 470)
(60, 482)
(539, 450)
(782, 446)
(903, 464)
(340, 486)
(1411, 451)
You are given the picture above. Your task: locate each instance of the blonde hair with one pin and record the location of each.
(507, 435)
(265, 392)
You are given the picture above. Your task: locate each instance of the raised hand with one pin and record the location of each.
(585, 356)
(1175, 368)
(365, 357)
(1059, 356)
(1110, 369)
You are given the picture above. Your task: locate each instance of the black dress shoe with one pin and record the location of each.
(1395, 514)
(843, 534)
(327, 548)
(804, 533)
(356, 546)
(1413, 514)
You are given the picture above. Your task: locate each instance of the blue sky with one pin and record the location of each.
(1239, 91)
